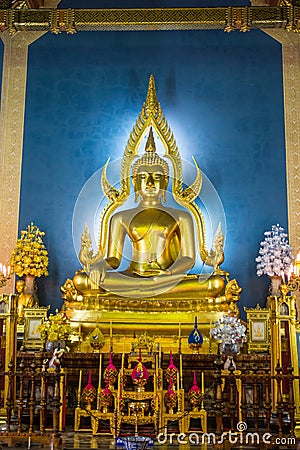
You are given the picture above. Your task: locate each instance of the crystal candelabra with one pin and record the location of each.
(4, 274)
(275, 253)
(231, 332)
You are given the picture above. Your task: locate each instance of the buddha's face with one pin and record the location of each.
(20, 286)
(150, 182)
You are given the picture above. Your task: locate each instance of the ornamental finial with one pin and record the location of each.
(150, 144)
(150, 157)
(151, 104)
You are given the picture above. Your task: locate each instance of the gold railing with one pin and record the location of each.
(236, 397)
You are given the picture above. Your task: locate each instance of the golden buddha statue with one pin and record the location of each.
(162, 238)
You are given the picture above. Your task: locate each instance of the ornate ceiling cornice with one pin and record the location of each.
(216, 18)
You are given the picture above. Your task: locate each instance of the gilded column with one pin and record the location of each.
(13, 94)
(291, 83)
(11, 136)
(290, 42)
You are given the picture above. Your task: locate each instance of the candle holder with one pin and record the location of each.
(4, 274)
(290, 281)
(294, 283)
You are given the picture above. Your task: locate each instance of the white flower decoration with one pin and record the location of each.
(276, 255)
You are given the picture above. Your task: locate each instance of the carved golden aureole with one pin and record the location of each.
(163, 241)
(242, 18)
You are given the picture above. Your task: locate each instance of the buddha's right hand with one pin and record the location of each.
(97, 274)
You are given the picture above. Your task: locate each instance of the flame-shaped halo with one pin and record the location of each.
(152, 116)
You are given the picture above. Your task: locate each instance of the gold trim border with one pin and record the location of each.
(142, 19)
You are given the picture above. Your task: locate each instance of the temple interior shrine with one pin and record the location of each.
(150, 224)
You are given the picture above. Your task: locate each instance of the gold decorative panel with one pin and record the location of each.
(229, 18)
(258, 329)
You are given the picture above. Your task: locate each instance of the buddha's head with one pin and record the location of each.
(150, 173)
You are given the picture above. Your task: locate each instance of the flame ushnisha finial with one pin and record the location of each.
(150, 144)
(150, 157)
(151, 103)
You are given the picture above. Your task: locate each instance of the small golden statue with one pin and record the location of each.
(24, 300)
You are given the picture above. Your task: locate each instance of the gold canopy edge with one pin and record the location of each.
(242, 18)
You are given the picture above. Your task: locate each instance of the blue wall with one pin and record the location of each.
(1, 59)
(222, 96)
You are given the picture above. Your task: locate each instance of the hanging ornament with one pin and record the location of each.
(110, 374)
(170, 398)
(140, 375)
(194, 395)
(195, 339)
(89, 393)
(105, 398)
(171, 371)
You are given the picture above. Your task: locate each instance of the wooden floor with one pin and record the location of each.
(83, 441)
(69, 440)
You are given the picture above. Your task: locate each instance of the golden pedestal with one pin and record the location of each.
(167, 318)
(167, 417)
(171, 418)
(140, 416)
(122, 332)
(79, 413)
(101, 416)
(201, 415)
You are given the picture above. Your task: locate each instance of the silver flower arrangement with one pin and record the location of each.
(275, 253)
(231, 332)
